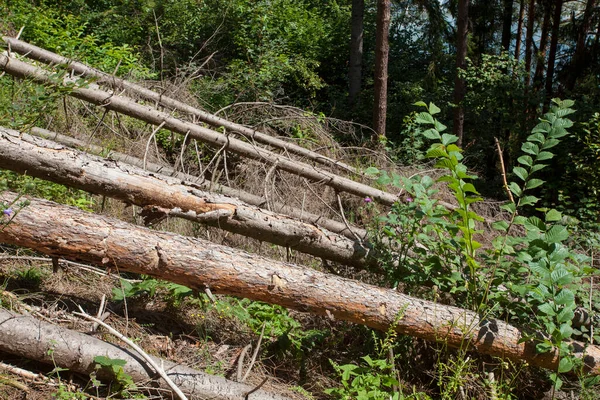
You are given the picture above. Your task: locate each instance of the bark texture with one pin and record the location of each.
(169, 196)
(68, 232)
(45, 56)
(30, 338)
(152, 116)
(519, 29)
(460, 87)
(341, 228)
(558, 6)
(382, 50)
(356, 52)
(529, 41)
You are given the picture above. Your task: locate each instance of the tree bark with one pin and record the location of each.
(51, 344)
(507, 24)
(578, 61)
(529, 41)
(152, 116)
(341, 228)
(162, 196)
(552, 54)
(519, 30)
(538, 78)
(382, 49)
(356, 52)
(68, 232)
(460, 88)
(45, 56)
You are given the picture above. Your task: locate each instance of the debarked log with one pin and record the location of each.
(41, 341)
(68, 232)
(212, 138)
(165, 195)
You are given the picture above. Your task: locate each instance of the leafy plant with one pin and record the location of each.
(123, 382)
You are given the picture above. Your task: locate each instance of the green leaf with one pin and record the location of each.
(500, 225)
(439, 126)
(561, 277)
(433, 109)
(510, 207)
(533, 183)
(544, 155)
(424, 118)
(565, 315)
(109, 362)
(536, 137)
(528, 201)
(549, 143)
(535, 224)
(543, 127)
(537, 167)
(547, 309)
(448, 139)
(530, 148)
(420, 104)
(515, 189)
(557, 234)
(553, 215)
(525, 160)
(565, 365)
(432, 134)
(521, 173)
(565, 296)
(371, 171)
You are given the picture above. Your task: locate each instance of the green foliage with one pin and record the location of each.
(48, 190)
(531, 278)
(123, 384)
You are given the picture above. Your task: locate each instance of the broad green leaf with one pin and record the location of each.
(424, 118)
(544, 155)
(565, 296)
(528, 200)
(553, 215)
(439, 126)
(510, 207)
(521, 173)
(565, 365)
(530, 148)
(448, 139)
(557, 234)
(433, 109)
(371, 171)
(436, 152)
(535, 224)
(537, 167)
(549, 143)
(547, 309)
(468, 187)
(533, 183)
(561, 277)
(500, 225)
(420, 104)
(542, 127)
(565, 315)
(525, 160)
(515, 189)
(432, 134)
(536, 137)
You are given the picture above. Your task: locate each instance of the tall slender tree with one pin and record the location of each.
(460, 88)
(356, 52)
(382, 49)
(558, 5)
(578, 61)
(519, 29)
(507, 24)
(529, 41)
(543, 47)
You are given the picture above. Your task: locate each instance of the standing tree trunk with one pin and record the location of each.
(507, 24)
(578, 62)
(529, 41)
(460, 88)
(356, 53)
(382, 48)
(519, 30)
(553, 46)
(541, 55)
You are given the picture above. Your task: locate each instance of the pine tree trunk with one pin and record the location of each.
(578, 61)
(460, 88)
(519, 30)
(163, 196)
(382, 49)
(552, 54)
(529, 41)
(356, 52)
(68, 232)
(541, 55)
(507, 24)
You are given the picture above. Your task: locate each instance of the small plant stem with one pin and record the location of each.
(510, 196)
(262, 332)
(138, 349)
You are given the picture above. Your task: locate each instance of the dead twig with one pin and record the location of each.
(262, 332)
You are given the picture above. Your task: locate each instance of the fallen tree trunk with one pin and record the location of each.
(150, 115)
(47, 57)
(349, 231)
(30, 338)
(71, 233)
(48, 160)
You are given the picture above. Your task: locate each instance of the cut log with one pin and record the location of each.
(164, 195)
(27, 337)
(150, 115)
(349, 231)
(70, 233)
(47, 57)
